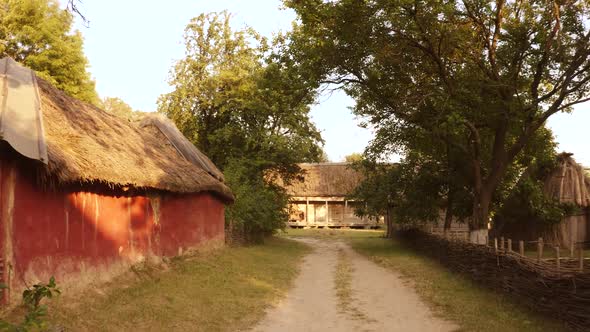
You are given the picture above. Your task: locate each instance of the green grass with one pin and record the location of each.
(452, 296)
(225, 290)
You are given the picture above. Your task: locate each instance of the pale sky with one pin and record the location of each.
(131, 46)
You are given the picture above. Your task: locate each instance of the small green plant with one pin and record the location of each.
(35, 311)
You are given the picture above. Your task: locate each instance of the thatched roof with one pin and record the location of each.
(87, 145)
(180, 143)
(326, 179)
(568, 182)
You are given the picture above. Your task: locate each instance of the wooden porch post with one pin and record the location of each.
(327, 214)
(345, 210)
(306, 211)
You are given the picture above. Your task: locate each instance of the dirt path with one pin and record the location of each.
(339, 290)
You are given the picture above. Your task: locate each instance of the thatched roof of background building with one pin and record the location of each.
(326, 179)
(86, 145)
(568, 182)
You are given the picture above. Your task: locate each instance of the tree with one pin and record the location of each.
(241, 102)
(324, 158)
(37, 33)
(117, 106)
(353, 157)
(481, 75)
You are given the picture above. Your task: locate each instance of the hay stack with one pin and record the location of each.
(568, 183)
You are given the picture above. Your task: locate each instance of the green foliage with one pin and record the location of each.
(260, 206)
(353, 157)
(528, 203)
(37, 33)
(324, 157)
(35, 311)
(118, 107)
(379, 190)
(467, 85)
(240, 100)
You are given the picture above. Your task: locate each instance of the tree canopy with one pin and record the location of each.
(38, 34)
(238, 99)
(353, 157)
(117, 106)
(466, 83)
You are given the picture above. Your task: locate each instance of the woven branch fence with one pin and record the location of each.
(563, 292)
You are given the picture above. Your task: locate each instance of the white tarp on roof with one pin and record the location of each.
(21, 122)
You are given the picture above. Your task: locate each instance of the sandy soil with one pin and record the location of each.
(384, 301)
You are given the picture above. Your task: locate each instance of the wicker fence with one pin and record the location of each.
(559, 287)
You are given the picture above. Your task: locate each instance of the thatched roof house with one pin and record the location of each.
(326, 180)
(320, 200)
(86, 145)
(84, 193)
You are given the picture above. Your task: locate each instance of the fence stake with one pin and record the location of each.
(509, 245)
(521, 247)
(539, 249)
(581, 258)
(557, 256)
(496, 245)
(502, 243)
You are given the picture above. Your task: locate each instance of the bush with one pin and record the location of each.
(260, 206)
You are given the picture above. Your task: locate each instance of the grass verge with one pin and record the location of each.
(224, 290)
(452, 296)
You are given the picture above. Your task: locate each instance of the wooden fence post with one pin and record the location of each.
(521, 247)
(496, 245)
(509, 245)
(502, 243)
(558, 258)
(581, 258)
(539, 249)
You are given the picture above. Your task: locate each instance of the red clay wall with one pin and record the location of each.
(72, 235)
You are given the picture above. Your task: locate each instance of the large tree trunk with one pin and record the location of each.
(478, 228)
(448, 214)
(389, 222)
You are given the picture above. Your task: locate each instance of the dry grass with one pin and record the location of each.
(226, 290)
